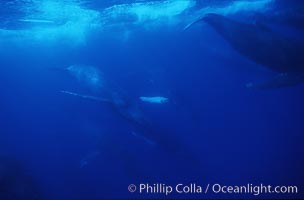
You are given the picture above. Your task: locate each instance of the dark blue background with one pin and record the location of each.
(234, 135)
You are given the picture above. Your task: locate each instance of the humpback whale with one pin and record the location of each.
(130, 111)
(121, 104)
(260, 44)
(127, 108)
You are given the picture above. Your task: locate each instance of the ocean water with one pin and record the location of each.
(73, 125)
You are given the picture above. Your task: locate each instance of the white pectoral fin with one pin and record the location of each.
(192, 23)
(40, 21)
(157, 99)
(85, 96)
(282, 80)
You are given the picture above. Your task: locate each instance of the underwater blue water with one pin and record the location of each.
(213, 129)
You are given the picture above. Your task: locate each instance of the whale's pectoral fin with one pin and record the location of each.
(282, 80)
(86, 96)
(192, 23)
(140, 136)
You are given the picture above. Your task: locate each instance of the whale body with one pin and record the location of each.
(129, 109)
(263, 46)
(259, 44)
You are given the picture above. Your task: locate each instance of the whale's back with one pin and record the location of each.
(260, 44)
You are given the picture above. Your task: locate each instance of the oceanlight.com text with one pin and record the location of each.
(254, 189)
(195, 188)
